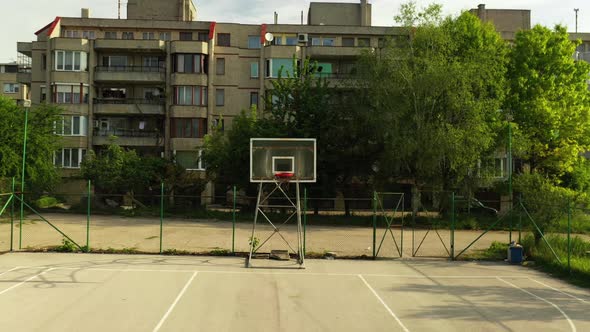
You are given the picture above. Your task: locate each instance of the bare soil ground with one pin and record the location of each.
(198, 235)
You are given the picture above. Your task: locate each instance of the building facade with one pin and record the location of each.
(159, 80)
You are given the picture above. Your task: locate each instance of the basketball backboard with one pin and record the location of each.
(270, 157)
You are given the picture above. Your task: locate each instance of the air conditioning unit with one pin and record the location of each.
(302, 37)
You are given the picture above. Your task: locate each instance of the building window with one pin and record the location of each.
(223, 39)
(190, 95)
(69, 158)
(114, 61)
(276, 66)
(348, 41)
(127, 35)
(44, 61)
(110, 34)
(220, 66)
(189, 63)
(253, 99)
(43, 91)
(203, 36)
(11, 88)
(190, 160)
(88, 34)
(164, 35)
(70, 94)
(292, 40)
(219, 124)
(149, 35)
(219, 97)
(328, 41)
(72, 34)
(70, 126)
(254, 42)
(186, 36)
(364, 42)
(189, 128)
(70, 61)
(254, 70)
(151, 61)
(316, 41)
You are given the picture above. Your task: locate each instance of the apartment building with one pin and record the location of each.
(159, 80)
(9, 81)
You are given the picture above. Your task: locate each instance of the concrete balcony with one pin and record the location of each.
(129, 137)
(185, 144)
(134, 74)
(129, 106)
(185, 46)
(25, 48)
(189, 79)
(24, 77)
(335, 52)
(70, 44)
(130, 45)
(282, 51)
(69, 76)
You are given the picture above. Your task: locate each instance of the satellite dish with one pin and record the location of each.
(268, 37)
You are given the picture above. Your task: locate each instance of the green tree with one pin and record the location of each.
(40, 173)
(549, 98)
(436, 95)
(119, 171)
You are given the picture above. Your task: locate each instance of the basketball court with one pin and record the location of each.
(92, 292)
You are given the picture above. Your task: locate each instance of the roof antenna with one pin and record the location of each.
(302, 17)
(119, 9)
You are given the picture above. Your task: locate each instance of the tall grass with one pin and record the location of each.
(546, 261)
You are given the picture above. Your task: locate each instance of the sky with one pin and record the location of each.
(19, 19)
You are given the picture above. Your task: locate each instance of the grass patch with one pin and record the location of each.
(498, 251)
(546, 261)
(46, 202)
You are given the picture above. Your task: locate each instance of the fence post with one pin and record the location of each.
(453, 226)
(88, 219)
(12, 216)
(569, 236)
(304, 219)
(161, 214)
(520, 219)
(22, 180)
(374, 223)
(233, 224)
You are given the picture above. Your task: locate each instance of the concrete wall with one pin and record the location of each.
(505, 20)
(345, 14)
(164, 10)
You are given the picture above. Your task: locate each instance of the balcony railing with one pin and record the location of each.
(127, 133)
(131, 69)
(129, 101)
(334, 75)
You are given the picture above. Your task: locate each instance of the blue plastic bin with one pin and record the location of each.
(515, 256)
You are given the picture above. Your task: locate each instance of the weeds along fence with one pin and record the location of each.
(384, 224)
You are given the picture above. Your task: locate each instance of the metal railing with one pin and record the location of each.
(129, 101)
(127, 133)
(133, 69)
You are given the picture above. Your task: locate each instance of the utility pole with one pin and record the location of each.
(576, 10)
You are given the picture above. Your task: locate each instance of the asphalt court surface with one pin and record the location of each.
(90, 292)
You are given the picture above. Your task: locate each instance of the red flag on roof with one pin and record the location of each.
(211, 30)
(262, 33)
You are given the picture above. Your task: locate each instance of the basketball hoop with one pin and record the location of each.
(284, 176)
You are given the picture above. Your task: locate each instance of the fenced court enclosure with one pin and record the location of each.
(73, 292)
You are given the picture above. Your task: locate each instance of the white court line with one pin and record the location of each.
(301, 273)
(573, 327)
(384, 304)
(25, 281)
(560, 291)
(157, 328)
(14, 268)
